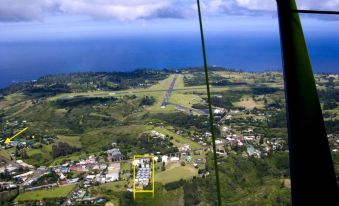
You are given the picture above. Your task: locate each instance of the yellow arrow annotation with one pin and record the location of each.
(8, 140)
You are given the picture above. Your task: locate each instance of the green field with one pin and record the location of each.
(71, 140)
(161, 197)
(57, 192)
(186, 99)
(175, 172)
(5, 154)
(115, 186)
(248, 102)
(178, 140)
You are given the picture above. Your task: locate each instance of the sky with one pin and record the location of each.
(22, 20)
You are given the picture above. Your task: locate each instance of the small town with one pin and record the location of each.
(95, 170)
(73, 166)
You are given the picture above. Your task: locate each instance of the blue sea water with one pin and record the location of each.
(22, 61)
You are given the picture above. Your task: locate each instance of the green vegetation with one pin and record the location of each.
(46, 179)
(175, 172)
(244, 182)
(73, 116)
(146, 100)
(57, 192)
(178, 139)
(63, 149)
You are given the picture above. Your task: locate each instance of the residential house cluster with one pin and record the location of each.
(143, 172)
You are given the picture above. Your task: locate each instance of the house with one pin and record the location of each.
(62, 179)
(64, 169)
(249, 138)
(7, 185)
(24, 176)
(72, 181)
(185, 148)
(114, 155)
(155, 158)
(143, 176)
(90, 177)
(199, 161)
(11, 168)
(219, 112)
(164, 158)
(219, 142)
(208, 134)
(113, 171)
(2, 169)
(251, 151)
(78, 168)
(24, 165)
(188, 158)
(41, 170)
(174, 159)
(228, 117)
(156, 134)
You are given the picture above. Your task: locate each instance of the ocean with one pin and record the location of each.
(24, 61)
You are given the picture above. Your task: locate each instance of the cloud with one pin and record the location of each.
(258, 5)
(128, 10)
(23, 10)
(17, 10)
(116, 9)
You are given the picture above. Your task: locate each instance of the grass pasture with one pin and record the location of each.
(186, 99)
(115, 186)
(178, 140)
(248, 103)
(56, 192)
(175, 172)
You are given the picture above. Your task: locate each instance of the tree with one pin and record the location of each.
(63, 149)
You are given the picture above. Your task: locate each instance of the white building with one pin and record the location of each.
(174, 159)
(113, 171)
(164, 158)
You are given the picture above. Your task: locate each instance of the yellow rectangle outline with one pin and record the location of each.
(143, 191)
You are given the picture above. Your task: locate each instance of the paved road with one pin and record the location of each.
(166, 101)
(169, 91)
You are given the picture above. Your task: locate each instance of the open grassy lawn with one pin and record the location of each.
(178, 140)
(21, 107)
(56, 192)
(71, 140)
(5, 154)
(46, 149)
(93, 141)
(163, 84)
(234, 76)
(43, 155)
(12, 99)
(175, 172)
(161, 197)
(186, 99)
(115, 186)
(38, 156)
(179, 84)
(156, 107)
(248, 103)
(125, 166)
